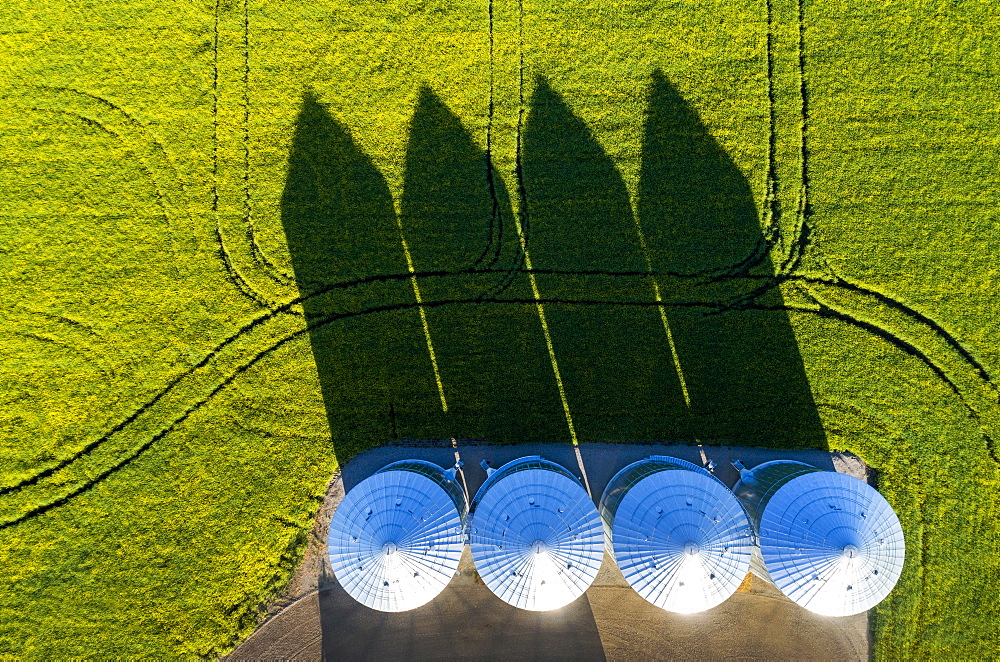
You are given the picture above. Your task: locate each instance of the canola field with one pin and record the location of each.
(243, 241)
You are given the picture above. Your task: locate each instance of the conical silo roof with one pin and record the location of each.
(679, 536)
(535, 534)
(831, 543)
(397, 536)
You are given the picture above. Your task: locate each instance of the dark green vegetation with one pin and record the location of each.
(205, 278)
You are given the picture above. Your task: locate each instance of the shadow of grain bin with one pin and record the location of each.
(456, 216)
(737, 352)
(615, 362)
(716, 362)
(351, 271)
(465, 622)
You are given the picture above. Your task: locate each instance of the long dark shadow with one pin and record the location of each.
(742, 367)
(456, 217)
(466, 621)
(616, 364)
(340, 224)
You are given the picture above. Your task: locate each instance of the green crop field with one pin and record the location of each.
(243, 241)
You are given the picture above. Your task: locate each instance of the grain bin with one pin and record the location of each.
(535, 534)
(827, 540)
(679, 536)
(396, 538)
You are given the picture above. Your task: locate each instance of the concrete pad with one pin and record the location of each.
(318, 620)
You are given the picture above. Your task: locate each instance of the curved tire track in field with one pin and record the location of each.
(980, 407)
(908, 311)
(772, 206)
(822, 310)
(88, 356)
(70, 334)
(286, 332)
(863, 292)
(158, 194)
(170, 191)
(235, 276)
(258, 263)
(264, 263)
(494, 230)
(135, 137)
(259, 326)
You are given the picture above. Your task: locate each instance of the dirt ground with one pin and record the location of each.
(316, 619)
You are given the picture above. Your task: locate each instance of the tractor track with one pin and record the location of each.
(786, 273)
(772, 217)
(820, 309)
(234, 276)
(172, 184)
(94, 123)
(494, 231)
(284, 309)
(264, 263)
(711, 308)
(824, 310)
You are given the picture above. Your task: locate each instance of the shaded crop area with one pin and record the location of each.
(577, 320)
(241, 243)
